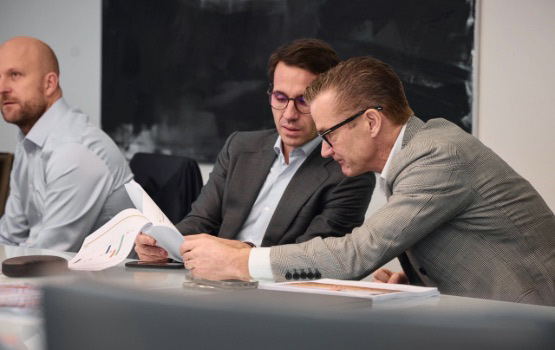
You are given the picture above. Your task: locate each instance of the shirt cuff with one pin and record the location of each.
(260, 267)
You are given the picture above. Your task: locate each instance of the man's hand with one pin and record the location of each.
(146, 247)
(384, 275)
(207, 255)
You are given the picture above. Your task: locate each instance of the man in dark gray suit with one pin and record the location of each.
(269, 188)
(457, 215)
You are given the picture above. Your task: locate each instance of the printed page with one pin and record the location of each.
(111, 243)
(162, 230)
(359, 289)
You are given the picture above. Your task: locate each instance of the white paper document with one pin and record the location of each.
(162, 230)
(112, 243)
(359, 289)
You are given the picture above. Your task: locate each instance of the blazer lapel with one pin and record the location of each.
(308, 178)
(251, 170)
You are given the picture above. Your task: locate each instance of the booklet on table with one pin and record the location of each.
(358, 289)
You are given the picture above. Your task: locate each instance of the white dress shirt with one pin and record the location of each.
(260, 266)
(270, 194)
(66, 181)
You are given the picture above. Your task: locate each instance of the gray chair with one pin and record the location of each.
(173, 182)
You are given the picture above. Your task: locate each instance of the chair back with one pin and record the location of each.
(173, 182)
(6, 161)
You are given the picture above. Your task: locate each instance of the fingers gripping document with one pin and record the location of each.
(112, 243)
(162, 229)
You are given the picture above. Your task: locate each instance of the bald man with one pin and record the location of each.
(68, 175)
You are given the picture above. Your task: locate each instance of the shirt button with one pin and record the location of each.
(266, 208)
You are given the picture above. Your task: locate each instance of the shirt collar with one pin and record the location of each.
(305, 149)
(39, 132)
(396, 148)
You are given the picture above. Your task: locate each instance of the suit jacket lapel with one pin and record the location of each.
(251, 170)
(302, 186)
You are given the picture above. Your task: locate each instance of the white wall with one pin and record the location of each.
(73, 29)
(516, 95)
(515, 92)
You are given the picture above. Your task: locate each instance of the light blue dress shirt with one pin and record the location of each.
(270, 194)
(66, 181)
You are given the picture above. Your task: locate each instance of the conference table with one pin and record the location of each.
(121, 307)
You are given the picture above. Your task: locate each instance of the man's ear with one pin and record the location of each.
(374, 121)
(50, 83)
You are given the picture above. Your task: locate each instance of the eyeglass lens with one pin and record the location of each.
(280, 101)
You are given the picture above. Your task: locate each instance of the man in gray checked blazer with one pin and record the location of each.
(457, 215)
(272, 187)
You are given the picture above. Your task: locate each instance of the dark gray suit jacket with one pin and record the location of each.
(466, 221)
(319, 200)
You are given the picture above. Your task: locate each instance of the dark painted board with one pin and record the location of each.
(180, 76)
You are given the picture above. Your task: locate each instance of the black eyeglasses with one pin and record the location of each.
(279, 101)
(346, 121)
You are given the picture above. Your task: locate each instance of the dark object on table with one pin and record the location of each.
(154, 264)
(34, 265)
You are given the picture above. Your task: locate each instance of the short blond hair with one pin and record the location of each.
(363, 82)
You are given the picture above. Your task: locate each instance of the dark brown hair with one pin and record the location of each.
(363, 82)
(313, 55)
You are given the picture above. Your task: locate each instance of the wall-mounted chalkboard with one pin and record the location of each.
(178, 76)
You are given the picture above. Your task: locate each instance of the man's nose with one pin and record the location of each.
(327, 150)
(4, 86)
(290, 111)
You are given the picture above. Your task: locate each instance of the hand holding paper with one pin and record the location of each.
(112, 243)
(162, 230)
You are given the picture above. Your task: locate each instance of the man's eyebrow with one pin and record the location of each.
(11, 70)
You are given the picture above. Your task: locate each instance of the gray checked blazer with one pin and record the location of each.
(318, 202)
(459, 217)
